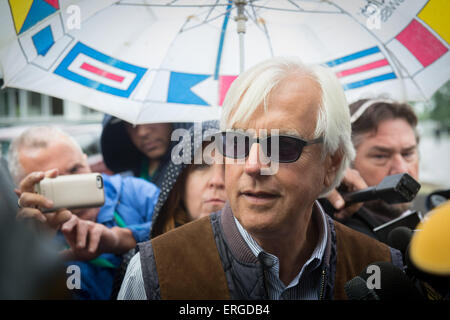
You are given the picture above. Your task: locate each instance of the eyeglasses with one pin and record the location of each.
(237, 145)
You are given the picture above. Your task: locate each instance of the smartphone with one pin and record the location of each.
(409, 220)
(74, 191)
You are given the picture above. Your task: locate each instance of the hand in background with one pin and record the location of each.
(354, 182)
(30, 202)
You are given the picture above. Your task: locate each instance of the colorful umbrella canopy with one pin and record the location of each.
(157, 61)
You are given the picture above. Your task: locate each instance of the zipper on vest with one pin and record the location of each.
(322, 288)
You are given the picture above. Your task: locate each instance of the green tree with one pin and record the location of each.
(440, 101)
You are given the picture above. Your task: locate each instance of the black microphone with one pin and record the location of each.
(382, 281)
(433, 286)
(399, 238)
(397, 188)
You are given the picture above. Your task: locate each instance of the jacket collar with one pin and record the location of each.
(244, 254)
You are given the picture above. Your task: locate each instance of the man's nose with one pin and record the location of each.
(253, 164)
(143, 130)
(398, 165)
(217, 178)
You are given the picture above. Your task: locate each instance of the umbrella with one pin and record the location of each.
(155, 61)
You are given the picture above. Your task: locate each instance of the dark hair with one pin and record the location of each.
(175, 213)
(378, 112)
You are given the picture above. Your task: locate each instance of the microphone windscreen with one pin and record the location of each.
(399, 238)
(393, 282)
(430, 245)
(357, 289)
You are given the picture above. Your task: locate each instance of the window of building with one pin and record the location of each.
(57, 107)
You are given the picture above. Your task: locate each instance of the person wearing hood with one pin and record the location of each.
(194, 189)
(141, 150)
(191, 190)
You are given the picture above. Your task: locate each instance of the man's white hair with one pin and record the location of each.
(253, 87)
(34, 138)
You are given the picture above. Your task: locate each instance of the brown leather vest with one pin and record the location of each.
(189, 266)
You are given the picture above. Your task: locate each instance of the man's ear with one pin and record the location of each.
(332, 165)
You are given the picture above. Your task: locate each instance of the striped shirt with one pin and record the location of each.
(306, 285)
(133, 283)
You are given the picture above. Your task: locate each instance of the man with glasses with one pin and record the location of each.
(286, 141)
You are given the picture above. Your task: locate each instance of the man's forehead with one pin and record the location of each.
(291, 107)
(388, 143)
(278, 122)
(55, 149)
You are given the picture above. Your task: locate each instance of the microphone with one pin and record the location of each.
(399, 238)
(382, 281)
(397, 188)
(428, 255)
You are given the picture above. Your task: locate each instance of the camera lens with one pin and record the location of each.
(99, 182)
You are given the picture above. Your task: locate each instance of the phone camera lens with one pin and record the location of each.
(99, 182)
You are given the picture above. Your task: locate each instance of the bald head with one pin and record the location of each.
(45, 148)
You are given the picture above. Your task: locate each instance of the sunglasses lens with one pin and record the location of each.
(235, 145)
(290, 148)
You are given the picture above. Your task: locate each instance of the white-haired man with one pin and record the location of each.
(272, 240)
(96, 237)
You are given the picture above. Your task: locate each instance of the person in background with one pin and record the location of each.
(194, 190)
(386, 140)
(189, 192)
(141, 150)
(95, 238)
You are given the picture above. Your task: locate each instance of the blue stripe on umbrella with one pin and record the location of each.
(365, 82)
(222, 38)
(353, 56)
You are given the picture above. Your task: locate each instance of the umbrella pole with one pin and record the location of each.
(241, 53)
(240, 20)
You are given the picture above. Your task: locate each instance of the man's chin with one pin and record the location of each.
(156, 153)
(259, 223)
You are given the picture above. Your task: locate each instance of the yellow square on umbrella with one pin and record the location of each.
(436, 15)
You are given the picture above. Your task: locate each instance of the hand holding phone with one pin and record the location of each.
(29, 202)
(72, 191)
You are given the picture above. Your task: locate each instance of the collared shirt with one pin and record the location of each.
(306, 285)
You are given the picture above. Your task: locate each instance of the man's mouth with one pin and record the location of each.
(150, 145)
(259, 196)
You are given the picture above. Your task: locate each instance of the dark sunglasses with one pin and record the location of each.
(236, 145)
